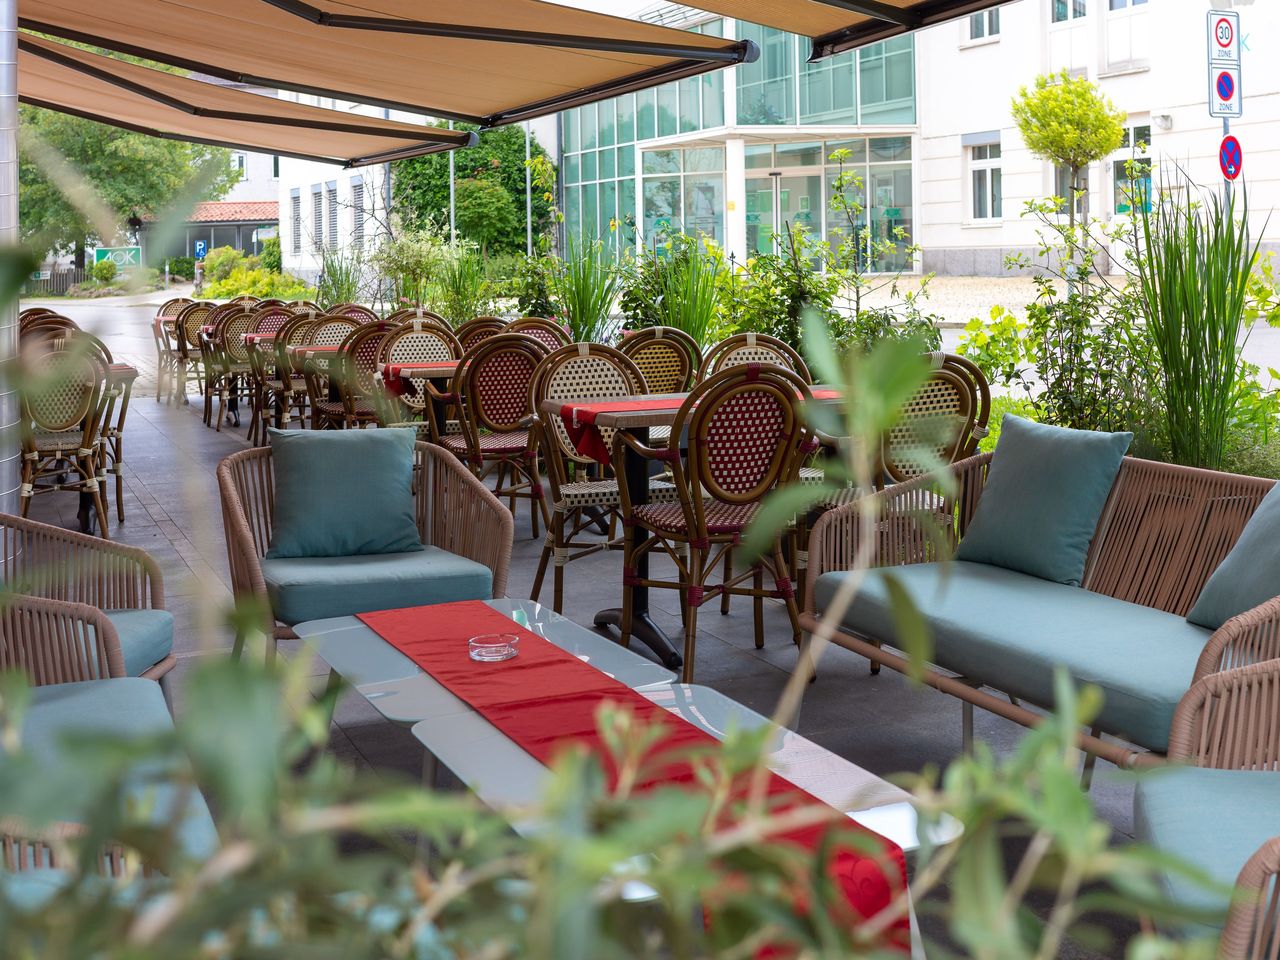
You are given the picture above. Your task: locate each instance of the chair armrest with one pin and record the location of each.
(243, 557)
(48, 561)
(900, 535)
(458, 513)
(23, 847)
(53, 641)
(1253, 922)
(1251, 637)
(1227, 719)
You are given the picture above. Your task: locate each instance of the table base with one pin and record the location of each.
(646, 631)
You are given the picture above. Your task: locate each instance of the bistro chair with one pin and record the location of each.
(581, 497)
(304, 305)
(268, 318)
(47, 324)
(753, 348)
(211, 353)
(121, 582)
(355, 373)
(244, 300)
(328, 330)
(162, 330)
(667, 357)
(228, 362)
(353, 310)
(286, 390)
(417, 340)
(418, 313)
(493, 385)
(746, 437)
(61, 391)
(479, 329)
(187, 325)
(120, 380)
(550, 333)
(269, 302)
(459, 522)
(31, 313)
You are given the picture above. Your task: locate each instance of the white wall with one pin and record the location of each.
(1149, 60)
(258, 181)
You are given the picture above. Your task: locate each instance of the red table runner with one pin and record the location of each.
(563, 710)
(579, 421)
(252, 338)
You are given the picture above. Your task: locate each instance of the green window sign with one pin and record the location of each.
(125, 258)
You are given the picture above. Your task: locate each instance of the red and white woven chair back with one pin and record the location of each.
(353, 310)
(497, 378)
(420, 314)
(584, 371)
(477, 331)
(668, 358)
(171, 308)
(547, 332)
(360, 353)
(760, 348)
(304, 306)
(331, 330)
(745, 432)
(270, 319)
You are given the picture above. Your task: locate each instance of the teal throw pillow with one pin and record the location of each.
(1045, 491)
(343, 493)
(1250, 573)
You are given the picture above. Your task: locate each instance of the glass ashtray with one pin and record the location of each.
(493, 647)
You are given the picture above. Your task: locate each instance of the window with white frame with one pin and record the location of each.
(357, 211)
(332, 191)
(238, 161)
(1125, 4)
(317, 218)
(985, 187)
(1063, 10)
(1064, 189)
(985, 24)
(1131, 170)
(295, 220)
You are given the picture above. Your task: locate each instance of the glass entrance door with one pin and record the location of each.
(760, 214)
(777, 201)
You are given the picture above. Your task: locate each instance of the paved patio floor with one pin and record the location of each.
(882, 722)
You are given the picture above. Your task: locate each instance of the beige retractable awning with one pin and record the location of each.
(485, 61)
(76, 81)
(838, 25)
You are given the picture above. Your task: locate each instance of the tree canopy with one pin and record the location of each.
(110, 168)
(1067, 120)
(420, 187)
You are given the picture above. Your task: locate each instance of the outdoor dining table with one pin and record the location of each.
(635, 415)
(251, 338)
(398, 379)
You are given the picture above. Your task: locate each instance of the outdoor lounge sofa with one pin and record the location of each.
(460, 550)
(1163, 531)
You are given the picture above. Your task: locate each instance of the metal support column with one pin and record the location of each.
(453, 219)
(10, 452)
(528, 196)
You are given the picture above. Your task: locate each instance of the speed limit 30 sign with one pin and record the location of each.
(1225, 97)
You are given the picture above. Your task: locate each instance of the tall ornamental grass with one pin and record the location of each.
(1194, 260)
(462, 290)
(690, 293)
(586, 284)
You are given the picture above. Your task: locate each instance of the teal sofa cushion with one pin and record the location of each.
(319, 587)
(1249, 574)
(1214, 820)
(146, 637)
(127, 707)
(1010, 631)
(342, 493)
(1045, 491)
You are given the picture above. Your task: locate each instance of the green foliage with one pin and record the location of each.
(104, 271)
(531, 286)
(341, 277)
(462, 290)
(486, 214)
(420, 189)
(79, 180)
(1194, 277)
(586, 283)
(1067, 121)
(220, 261)
(407, 264)
(270, 256)
(1000, 405)
(772, 291)
(183, 267)
(253, 281)
(677, 283)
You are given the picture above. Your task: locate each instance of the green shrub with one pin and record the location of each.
(461, 290)
(219, 262)
(270, 256)
(531, 287)
(1018, 406)
(258, 282)
(104, 271)
(183, 267)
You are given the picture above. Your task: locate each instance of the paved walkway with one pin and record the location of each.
(882, 723)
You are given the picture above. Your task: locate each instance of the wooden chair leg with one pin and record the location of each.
(696, 560)
(543, 560)
(728, 575)
(757, 604)
(628, 563)
(789, 596)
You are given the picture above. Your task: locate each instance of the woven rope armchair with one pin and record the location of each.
(53, 641)
(1164, 530)
(48, 562)
(453, 510)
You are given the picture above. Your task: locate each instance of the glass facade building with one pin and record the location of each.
(737, 154)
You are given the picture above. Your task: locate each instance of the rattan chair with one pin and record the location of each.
(244, 300)
(41, 560)
(31, 313)
(454, 511)
(285, 391)
(356, 377)
(227, 359)
(268, 318)
(746, 437)
(493, 385)
(119, 392)
(353, 310)
(417, 339)
(479, 329)
(581, 496)
(165, 336)
(668, 357)
(753, 348)
(187, 325)
(550, 333)
(421, 314)
(61, 390)
(328, 330)
(47, 324)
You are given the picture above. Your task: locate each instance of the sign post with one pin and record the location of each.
(1226, 98)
